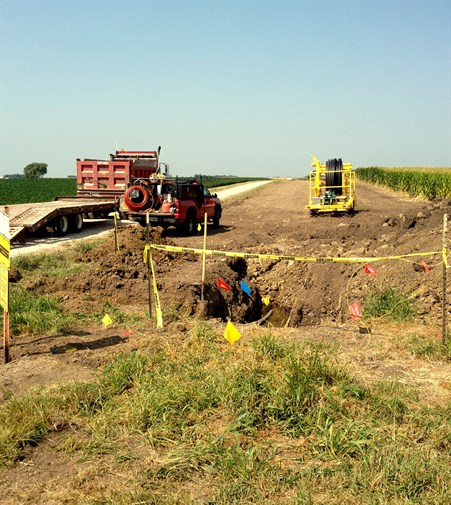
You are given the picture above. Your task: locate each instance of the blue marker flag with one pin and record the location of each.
(245, 288)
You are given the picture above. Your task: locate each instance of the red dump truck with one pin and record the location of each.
(100, 185)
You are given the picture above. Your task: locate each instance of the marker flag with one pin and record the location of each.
(370, 270)
(245, 288)
(424, 266)
(199, 227)
(355, 310)
(106, 320)
(222, 284)
(231, 334)
(266, 300)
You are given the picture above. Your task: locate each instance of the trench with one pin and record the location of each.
(238, 305)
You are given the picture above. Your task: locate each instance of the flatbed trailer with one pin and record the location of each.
(63, 215)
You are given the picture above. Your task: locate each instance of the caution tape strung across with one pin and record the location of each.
(274, 257)
(158, 311)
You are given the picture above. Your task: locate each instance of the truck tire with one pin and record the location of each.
(191, 223)
(76, 223)
(61, 225)
(216, 217)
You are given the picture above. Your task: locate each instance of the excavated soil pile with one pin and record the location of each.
(121, 278)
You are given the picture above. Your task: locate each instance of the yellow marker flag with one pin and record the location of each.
(107, 320)
(199, 227)
(231, 334)
(266, 300)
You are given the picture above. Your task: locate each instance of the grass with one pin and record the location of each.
(195, 420)
(432, 349)
(389, 303)
(36, 315)
(50, 265)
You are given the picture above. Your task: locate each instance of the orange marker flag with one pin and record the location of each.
(223, 284)
(370, 270)
(424, 266)
(355, 310)
(231, 334)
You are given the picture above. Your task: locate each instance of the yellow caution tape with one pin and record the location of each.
(274, 257)
(445, 257)
(156, 296)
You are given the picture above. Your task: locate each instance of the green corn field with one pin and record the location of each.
(13, 191)
(423, 182)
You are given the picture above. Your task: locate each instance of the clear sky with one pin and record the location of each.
(226, 87)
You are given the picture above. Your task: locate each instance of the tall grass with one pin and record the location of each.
(428, 183)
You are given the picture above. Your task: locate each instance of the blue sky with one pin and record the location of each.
(233, 87)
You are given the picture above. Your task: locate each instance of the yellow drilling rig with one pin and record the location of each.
(332, 187)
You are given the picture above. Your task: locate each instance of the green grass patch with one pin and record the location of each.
(264, 421)
(432, 349)
(389, 303)
(32, 314)
(50, 265)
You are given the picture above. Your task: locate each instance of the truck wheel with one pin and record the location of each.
(61, 225)
(190, 224)
(216, 217)
(76, 223)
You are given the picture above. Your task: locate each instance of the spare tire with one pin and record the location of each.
(138, 198)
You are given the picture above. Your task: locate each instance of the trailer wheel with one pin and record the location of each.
(190, 223)
(61, 225)
(76, 223)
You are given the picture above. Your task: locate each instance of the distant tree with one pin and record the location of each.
(35, 170)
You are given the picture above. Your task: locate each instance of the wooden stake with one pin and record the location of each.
(204, 258)
(6, 336)
(149, 281)
(444, 304)
(6, 309)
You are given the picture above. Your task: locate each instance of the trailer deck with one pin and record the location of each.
(30, 217)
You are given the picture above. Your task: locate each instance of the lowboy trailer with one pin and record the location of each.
(61, 216)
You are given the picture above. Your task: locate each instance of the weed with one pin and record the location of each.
(420, 346)
(31, 314)
(50, 265)
(388, 303)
